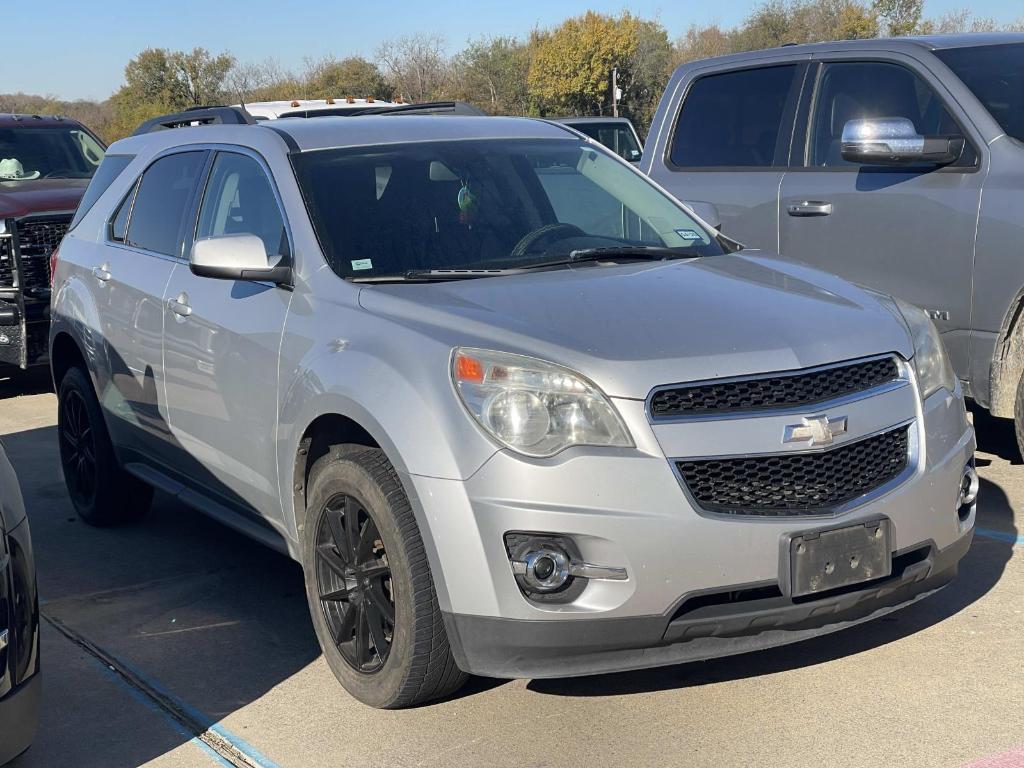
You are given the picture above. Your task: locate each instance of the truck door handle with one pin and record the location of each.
(809, 208)
(101, 273)
(180, 305)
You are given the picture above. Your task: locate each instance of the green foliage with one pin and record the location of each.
(901, 17)
(572, 64)
(352, 76)
(492, 73)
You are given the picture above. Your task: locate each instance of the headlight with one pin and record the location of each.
(534, 407)
(930, 361)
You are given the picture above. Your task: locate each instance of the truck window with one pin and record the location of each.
(995, 75)
(864, 89)
(734, 119)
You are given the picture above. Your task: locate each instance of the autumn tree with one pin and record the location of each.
(572, 64)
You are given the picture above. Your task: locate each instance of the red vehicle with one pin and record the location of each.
(45, 166)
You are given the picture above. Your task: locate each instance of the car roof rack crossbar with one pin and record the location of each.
(197, 116)
(427, 108)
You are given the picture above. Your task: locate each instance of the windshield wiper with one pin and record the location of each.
(434, 275)
(617, 253)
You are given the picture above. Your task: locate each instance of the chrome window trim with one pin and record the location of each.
(904, 380)
(913, 461)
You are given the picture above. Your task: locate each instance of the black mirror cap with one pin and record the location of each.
(279, 275)
(937, 150)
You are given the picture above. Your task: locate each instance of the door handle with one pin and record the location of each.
(809, 208)
(180, 305)
(101, 273)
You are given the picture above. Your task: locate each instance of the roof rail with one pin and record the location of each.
(197, 116)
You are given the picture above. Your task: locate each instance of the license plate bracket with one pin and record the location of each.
(820, 561)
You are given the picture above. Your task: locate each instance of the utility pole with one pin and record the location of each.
(615, 91)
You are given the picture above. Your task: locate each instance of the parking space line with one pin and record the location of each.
(149, 704)
(1009, 538)
(213, 738)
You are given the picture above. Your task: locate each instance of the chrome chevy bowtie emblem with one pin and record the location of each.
(815, 430)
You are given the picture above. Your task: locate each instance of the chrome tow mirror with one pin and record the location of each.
(895, 141)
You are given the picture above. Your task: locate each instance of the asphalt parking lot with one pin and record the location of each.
(177, 642)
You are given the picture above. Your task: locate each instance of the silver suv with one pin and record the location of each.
(515, 410)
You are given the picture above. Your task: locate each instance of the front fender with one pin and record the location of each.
(399, 391)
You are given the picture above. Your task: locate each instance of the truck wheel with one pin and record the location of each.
(370, 591)
(101, 492)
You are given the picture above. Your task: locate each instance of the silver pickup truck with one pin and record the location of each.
(897, 164)
(516, 410)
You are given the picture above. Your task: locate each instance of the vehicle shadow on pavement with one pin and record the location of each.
(205, 617)
(15, 382)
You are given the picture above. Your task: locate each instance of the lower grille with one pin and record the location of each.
(6, 262)
(796, 484)
(38, 237)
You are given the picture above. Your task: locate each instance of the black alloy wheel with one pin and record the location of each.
(354, 584)
(77, 448)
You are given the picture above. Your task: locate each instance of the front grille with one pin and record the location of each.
(6, 262)
(38, 236)
(798, 483)
(789, 390)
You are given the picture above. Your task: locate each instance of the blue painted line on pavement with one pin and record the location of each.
(149, 704)
(197, 715)
(1009, 538)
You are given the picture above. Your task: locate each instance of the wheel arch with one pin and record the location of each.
(1007, 360)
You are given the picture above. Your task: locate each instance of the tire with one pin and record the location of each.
(1018, 416)
(387, 592)
(102, 493)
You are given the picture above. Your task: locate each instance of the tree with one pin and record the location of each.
(702, 43)
(416, 66)
(901, 17)
(572, 64)
(646, 74)
(492, 72)
(199, 76)
(352, 76)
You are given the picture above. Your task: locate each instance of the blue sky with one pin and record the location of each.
(81, 47)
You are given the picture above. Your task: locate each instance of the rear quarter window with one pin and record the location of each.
(111, 167)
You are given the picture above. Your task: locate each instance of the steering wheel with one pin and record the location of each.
(558, 231)
(57, 173)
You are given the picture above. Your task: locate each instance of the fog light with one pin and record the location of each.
(545, 569)
(968, 487)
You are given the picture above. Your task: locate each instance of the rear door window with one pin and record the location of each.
(736, 119)
(161, 202)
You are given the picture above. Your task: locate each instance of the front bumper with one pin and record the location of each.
(19, 716)
(626, 508)
(510, 648)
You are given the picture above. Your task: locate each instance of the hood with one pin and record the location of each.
(630, 328)
(21, 198)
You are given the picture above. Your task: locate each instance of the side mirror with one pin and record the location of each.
(236, 257)
(895, 141)
(706, 211)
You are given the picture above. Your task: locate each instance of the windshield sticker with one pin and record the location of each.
(362, 264)
(689, 234)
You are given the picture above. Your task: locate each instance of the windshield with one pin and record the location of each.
(34, 152)
(995, 74)
(618, 137)
(483, 204)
